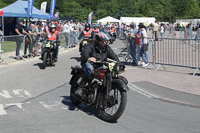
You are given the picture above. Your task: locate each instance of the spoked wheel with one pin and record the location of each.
(51, 59)
(114, 106)
(74, 87)
(45, 60)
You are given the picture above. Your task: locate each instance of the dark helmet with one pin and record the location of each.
(101, 41)
(87, 25)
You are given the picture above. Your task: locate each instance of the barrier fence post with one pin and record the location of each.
(154, 52)
(2, 60)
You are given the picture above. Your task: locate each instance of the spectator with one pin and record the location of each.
(133, 49)
(46, 28)
(19, 29)
(144, 46)
(59, 27)
(162, 31)
(66, 32)
(71, 31)
(138, 45)
(155, 31)
(39, 32)
(32, 37)
(76, 33)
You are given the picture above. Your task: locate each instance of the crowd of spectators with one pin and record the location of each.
(34, 32)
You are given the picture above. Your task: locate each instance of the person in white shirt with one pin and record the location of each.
(162, 31)
(66, 32)
(71, 35)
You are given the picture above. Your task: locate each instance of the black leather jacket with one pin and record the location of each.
(90, 51)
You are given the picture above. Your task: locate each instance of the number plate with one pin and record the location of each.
(48, 45)
(85, 42)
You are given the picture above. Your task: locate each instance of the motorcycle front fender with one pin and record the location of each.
(75, 70)
(120, 83)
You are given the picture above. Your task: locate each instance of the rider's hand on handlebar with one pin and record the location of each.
(92, 59)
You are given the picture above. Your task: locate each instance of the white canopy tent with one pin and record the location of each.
(109, 19)
(137, 20)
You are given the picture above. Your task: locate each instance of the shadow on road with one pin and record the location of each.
(39, 65)
(78, 59)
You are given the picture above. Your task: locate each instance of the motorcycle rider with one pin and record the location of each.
(96, 30)
(97, 50)
(112, 30)
(86, 33)
(52, 35)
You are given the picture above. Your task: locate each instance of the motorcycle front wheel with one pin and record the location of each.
(45, 60)
(114, 106)
(76, 81)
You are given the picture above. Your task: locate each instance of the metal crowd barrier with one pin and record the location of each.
(69, 40)
(171, 52)
(177, 52)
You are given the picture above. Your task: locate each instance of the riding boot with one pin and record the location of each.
(79, 91)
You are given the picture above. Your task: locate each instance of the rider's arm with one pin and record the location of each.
(112, 55)
(81, 35)
(92, 34)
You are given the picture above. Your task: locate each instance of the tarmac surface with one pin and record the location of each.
(34, 100)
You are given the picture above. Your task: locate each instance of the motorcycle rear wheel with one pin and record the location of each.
(106, 113)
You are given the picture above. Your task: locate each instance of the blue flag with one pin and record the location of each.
(53, 4)
(90, 17)
(30, 7)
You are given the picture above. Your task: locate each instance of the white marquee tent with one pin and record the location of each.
(137, 20)
(109, 19)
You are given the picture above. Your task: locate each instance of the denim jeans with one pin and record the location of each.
(87, 69)
(19, 40)
(75, 37)
(133, 50)
(66, 39)
(144, 54)
(138, 52)
(161, 34)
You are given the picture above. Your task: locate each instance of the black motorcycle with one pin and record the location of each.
(49, 53)
(84, 42)
(113, 37)
(105, 90)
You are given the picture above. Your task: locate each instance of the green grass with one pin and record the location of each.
(9, 46)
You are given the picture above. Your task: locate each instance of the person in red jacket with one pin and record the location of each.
(86, 33)
(52, 35)
(96, 30)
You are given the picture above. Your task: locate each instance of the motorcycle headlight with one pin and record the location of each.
(119, 68)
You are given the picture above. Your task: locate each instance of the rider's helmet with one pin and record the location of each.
(52, 26)
(101, 41)
(87, 26)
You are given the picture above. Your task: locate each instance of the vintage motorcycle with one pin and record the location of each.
(113, 37)
(84, 42)
(49, 54)
(105, 90)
